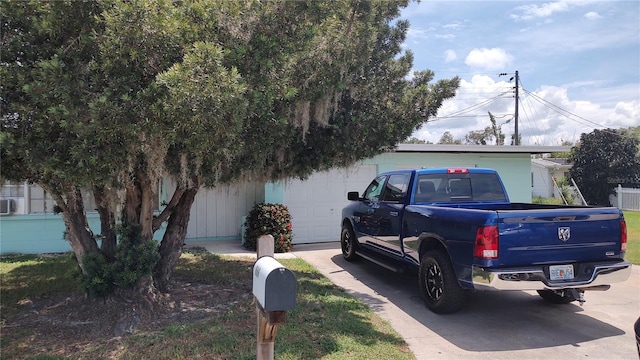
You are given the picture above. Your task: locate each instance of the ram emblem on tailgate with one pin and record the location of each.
(564, 233)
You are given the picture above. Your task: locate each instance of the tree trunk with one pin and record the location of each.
(107, 223)
(139, 204)
(78, 234)
(147, 192)
(173, 240)
(131, 211)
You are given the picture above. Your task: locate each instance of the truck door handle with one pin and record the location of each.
(393, 213)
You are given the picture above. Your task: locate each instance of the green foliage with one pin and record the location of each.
(602, 160)
(414, 140)
(496, 130)
(479, 137)
(111, 94)
(134, 259)
(447, 138)
(562, 155)
(207, 89)
(565, 190)
(269, 219)
(542, 200)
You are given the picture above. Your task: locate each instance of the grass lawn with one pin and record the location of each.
(633, 236)
(327, 323)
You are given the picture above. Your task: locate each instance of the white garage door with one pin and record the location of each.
(316, 203)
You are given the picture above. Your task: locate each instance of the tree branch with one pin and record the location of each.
(168, 210)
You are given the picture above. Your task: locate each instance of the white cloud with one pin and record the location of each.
(454, 26)
(488, 59)
(592, 15)
(418, 33)
(450, 55)
(532, 11)
(445, 36)
(546, 10)
(624, 114)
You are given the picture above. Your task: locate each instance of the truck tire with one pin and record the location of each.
(438, 282)
(555, 298)
(348, 243)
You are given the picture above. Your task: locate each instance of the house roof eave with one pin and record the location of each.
(495, 149)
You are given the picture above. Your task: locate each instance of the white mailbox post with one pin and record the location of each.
(274, 286)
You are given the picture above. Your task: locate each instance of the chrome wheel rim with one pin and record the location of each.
(433, 281)
(346, 243)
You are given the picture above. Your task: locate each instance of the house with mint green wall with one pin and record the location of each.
(29, 225)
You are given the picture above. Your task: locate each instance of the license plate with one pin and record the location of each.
(561, 272)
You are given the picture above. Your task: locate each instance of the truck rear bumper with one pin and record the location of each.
(537, 278)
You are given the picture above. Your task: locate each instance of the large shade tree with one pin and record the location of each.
(111, 96)
(602, 160)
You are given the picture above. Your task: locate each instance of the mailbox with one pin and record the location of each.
(274, 286)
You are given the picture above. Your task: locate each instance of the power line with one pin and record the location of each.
(463, 113)
(529, 117)
(569, 115)
(470, 108)
(501, 116)
(564, 112)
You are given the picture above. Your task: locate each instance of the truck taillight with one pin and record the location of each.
(623, 236)
(457, 171)
(486, 245)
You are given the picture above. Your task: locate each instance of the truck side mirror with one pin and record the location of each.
(353, 196)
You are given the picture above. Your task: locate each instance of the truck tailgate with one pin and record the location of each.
(558, 236)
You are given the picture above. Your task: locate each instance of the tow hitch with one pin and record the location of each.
(578, 294)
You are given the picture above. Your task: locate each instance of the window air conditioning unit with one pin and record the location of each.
(6, 206)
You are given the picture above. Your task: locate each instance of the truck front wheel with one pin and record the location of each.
(440, 288)
(348, 243)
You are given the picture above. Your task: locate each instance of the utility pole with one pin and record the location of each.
(517, 139)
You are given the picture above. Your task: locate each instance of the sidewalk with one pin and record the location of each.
(235, 248)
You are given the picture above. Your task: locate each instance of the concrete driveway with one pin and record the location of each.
(492, 325)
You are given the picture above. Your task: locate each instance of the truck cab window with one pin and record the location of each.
(372, 193)
(396, 187)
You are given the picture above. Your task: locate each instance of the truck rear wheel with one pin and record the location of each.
(438, 282)
(562, 297)
(348, 243)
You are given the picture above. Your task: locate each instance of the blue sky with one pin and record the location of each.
(578, 64)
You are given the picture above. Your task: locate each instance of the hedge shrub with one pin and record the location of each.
(134, 259)
(269, 219)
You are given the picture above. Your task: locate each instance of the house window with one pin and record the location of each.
(11, 190)
(38, 201)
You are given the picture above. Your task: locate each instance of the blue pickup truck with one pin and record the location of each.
(457, 228)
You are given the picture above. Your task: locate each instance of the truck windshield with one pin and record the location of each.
(459, 187)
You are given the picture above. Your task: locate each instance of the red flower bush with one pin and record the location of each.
(269, 219)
